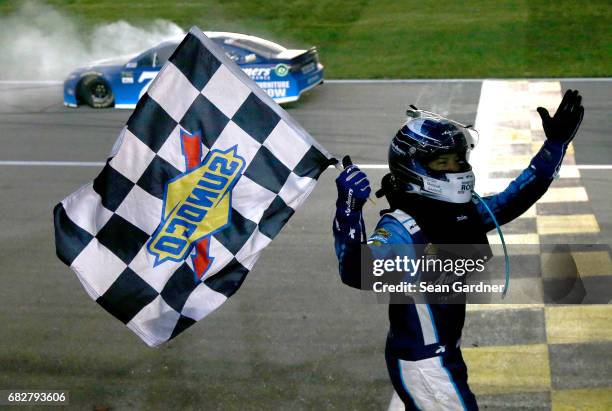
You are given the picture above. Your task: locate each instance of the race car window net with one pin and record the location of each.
(146, 60)
(163, 54)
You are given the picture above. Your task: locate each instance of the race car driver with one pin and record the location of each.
(429, 190)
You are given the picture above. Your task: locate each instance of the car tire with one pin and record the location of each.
(96, 92)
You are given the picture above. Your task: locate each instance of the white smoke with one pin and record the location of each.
(37, 42)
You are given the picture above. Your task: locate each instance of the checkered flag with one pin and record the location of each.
(204, 175)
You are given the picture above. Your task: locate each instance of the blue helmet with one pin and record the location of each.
(423, 138)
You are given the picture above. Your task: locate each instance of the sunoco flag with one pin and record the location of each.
(203, 176)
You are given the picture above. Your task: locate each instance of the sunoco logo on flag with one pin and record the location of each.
(205, 174)
(196, 204)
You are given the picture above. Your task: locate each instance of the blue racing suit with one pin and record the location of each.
(423, 344)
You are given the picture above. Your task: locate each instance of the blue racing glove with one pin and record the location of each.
(560, 130)
(353, 191)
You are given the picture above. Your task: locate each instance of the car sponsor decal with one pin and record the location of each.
(308, 68)
(281, 70)
(275, 88)
(127, 77)
(258, 73)
(314, 79)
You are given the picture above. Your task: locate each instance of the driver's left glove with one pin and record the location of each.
(560, 130)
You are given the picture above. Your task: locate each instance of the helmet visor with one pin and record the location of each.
(471, 134)
(445, 152)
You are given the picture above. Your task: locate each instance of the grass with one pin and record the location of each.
(398, 39)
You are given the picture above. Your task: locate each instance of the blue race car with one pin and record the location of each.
(283, 73)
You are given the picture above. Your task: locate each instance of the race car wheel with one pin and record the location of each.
(96, 92)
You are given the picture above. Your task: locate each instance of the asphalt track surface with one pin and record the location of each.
(293, 337)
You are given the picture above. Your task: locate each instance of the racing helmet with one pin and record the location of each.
(424, 137)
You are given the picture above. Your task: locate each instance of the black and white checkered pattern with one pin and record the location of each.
(102, 229)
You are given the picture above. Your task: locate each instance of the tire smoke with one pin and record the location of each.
(38, 42)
